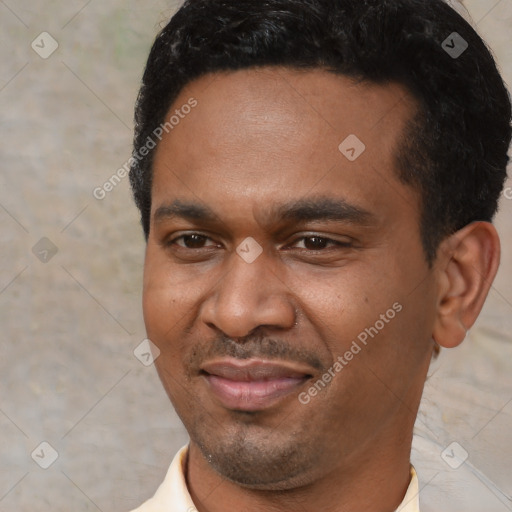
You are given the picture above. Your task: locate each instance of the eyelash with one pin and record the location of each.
(205, 237)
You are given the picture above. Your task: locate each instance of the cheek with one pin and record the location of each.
(163, 317)
(372, 307)
(155, 299)
(162, 307)
(343, 302)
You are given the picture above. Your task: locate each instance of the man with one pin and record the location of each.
(317, 181)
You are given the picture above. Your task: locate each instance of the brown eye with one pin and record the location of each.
(315, 243)
(318, 243)
(193, 241)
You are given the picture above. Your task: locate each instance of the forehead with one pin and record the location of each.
(271, 134)
(295, 95)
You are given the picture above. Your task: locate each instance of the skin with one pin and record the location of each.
(257, 140)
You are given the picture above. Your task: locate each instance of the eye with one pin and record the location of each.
(191, 241)
(318, 243)
(196, 241)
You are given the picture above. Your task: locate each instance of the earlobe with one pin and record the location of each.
(449, 332)
(467, 263)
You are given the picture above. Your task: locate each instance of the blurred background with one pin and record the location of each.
(84, 424)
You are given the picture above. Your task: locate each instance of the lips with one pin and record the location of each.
(254, 384)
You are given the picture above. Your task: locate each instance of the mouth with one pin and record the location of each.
(253, 384)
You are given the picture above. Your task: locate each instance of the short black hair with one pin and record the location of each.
(454, 150)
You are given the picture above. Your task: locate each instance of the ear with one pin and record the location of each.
(467, 264)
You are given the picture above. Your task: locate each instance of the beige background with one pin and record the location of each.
(69, 326)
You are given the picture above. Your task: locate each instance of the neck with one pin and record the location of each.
(375, 480)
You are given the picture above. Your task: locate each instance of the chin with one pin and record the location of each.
(259, 463)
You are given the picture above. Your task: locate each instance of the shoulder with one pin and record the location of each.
(172, 494)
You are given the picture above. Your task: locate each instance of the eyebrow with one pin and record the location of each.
(185, 210)
(302, 210)
(324, 208)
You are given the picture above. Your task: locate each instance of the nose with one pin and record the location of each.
(250, 295)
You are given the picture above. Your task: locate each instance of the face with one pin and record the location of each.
(285, 282)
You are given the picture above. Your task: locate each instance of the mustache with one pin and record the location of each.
(263, 347)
